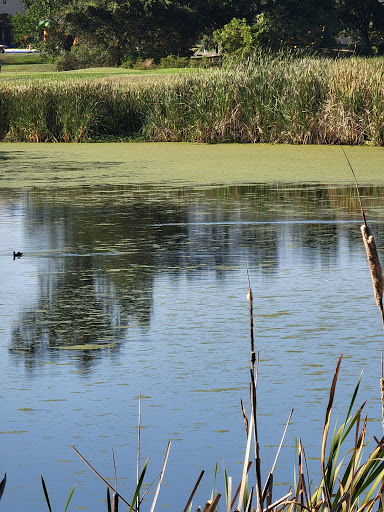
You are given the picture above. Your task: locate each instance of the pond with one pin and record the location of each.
(140, 288)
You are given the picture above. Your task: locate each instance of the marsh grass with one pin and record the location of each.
(270, 99)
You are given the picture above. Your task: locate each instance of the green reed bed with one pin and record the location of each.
(271, 99)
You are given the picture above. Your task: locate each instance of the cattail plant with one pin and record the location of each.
(376, 272)
(269, 98)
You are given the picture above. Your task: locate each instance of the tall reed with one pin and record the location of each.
(269, 98)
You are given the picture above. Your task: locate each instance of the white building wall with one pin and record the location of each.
(11, 7)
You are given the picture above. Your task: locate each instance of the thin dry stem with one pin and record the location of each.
(238, 489)
(357, 187)
(101, 478)
(138, 452)
(161, 477)
(245, 470)
(244, 417)
(194, 490)
(259, 491)
(281, 442)
(229, 494)
(278, 502)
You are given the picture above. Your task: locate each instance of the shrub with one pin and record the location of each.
(173, 61)
(205, 62)
(145, 64)
(83, 56)
(67, 61)
(128, 64)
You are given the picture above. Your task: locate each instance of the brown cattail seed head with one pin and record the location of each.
(374, 264)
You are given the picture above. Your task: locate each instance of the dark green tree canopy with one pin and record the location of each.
(363, 17)
(157, 28)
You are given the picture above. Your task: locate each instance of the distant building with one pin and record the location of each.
(8, 8)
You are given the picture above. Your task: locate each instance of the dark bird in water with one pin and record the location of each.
(17, 254)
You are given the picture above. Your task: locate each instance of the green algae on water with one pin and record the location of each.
(177, 165)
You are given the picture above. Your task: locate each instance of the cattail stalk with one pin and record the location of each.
(376, 272)
(115, 503)
(259, 491)
(378, 288)
(374, 264)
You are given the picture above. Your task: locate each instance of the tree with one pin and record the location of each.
(264, 32)
(303, 21)
(41, 26)
(133, 28)
(214, 14)
(237, 38)
(136, 28)
(363, 17)
(28, 28)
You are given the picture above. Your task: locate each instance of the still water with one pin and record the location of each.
(129, 290)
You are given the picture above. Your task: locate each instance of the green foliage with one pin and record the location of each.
(132, 29)
(362, 18)
(239, 39)
(235, 38)
(348, 484)
(205, 62)
(128, 64)
(41, 26)
(141, 29)
(124, 28)
(264, 33)
(28, 28)
(82, 56)
(171, 61)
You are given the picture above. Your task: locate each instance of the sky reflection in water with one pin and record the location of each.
(124, 290)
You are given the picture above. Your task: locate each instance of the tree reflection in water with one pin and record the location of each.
(100, 250)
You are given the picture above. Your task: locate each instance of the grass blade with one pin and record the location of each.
(2, 485)
(46, 494)
(325, 488)
(109, 505)
(69, 498)
(139, 485)
(214, 480)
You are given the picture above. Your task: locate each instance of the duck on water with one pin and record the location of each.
(17, 254)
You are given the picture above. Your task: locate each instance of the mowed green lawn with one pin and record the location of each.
(29, 66)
